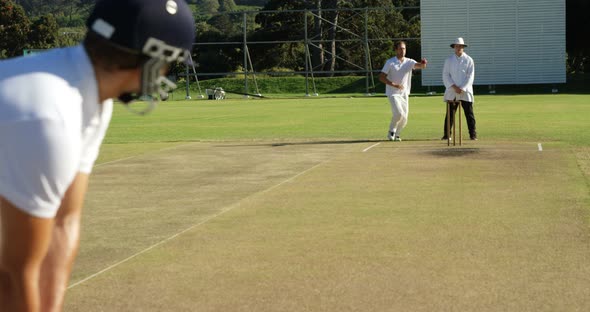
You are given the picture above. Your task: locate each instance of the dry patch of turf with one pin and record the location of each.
(114, 151)
(402, 227)
(138, 201)
(454, 152)
(583, 155)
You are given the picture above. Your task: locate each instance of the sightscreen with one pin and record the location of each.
(510, 41)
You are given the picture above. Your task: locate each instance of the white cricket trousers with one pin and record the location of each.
(399, 111)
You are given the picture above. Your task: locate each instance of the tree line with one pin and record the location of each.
(43, 24)
(36, 24)
(335, 35)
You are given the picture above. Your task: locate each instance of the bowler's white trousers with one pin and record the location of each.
(399, 111)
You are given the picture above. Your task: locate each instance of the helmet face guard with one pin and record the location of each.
(153, 83)
(162, 30)
(160, 55)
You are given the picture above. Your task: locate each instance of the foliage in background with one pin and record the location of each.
(336, 35)
(251, 2)
(32, 24)
(20, 19)
(522, 118)
(70, 9)
(577, 29)
(14, 29)
(44, 32)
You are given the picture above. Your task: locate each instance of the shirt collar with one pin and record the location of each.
(459, 57)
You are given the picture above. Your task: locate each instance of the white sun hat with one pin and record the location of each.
(458, 41)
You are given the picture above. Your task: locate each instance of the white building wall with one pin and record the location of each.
(511, 41)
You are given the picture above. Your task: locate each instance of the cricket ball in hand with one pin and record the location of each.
(424, 61)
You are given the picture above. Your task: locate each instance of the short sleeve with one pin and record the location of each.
(38, 162)
(411, 63)
(93, 136)
(385, 68)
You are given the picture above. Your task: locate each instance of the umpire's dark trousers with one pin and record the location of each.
(468, 110)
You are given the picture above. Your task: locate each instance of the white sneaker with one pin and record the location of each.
(397, 138)
(391, 136)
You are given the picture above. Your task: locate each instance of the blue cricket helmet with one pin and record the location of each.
(163, 30)
(131, 23)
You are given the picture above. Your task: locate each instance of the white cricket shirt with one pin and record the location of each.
(399, 72)
(460, 71)
(51, 126)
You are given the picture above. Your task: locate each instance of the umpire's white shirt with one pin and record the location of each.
(51, 126)
(460, 71)
(399, 72)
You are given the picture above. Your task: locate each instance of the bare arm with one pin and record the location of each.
(22, 257)
(421, 65)
(58, 263)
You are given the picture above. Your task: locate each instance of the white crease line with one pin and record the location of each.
(370, 147)
(148, 152)
(226, 209)
(540, 147)
(114, 161)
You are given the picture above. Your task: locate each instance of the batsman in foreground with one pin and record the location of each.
(55, 108)
(397, 77)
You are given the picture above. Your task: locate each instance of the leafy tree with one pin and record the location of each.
(215, 58)
(317, 49)
(227, 5)
(14, 29)
(405, 3)
(44, 32)
(19, 32)
(409, 14)
(577, 44)
(337, 36)
(281, 26)
(208, 6)
(68, 13)
(333, 17)
(69, 36)
(76, 11)
(251, 2)
(33, 7)
(230, 24)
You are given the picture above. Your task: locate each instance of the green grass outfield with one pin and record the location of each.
(544, 118)
(301, 205)
(559, 117)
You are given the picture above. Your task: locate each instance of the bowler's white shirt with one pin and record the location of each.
(399, 72)
(460, 71)
(51, 126)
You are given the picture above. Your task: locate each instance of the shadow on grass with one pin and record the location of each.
(329, 142)
(279, 144)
